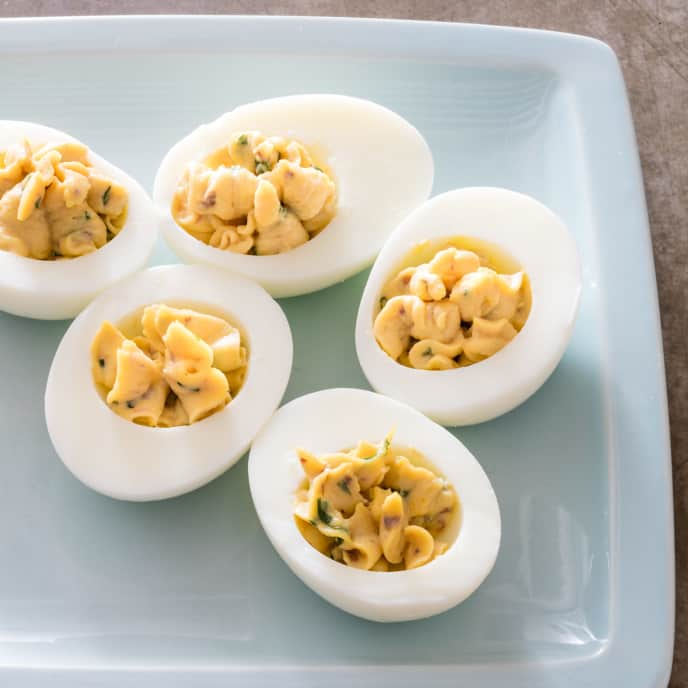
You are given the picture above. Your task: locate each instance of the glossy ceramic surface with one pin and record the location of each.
(189, 591)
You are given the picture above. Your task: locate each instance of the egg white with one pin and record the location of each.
(128, 461)
(541, 243)
(53, 290)
(382, 166)
(336, 419)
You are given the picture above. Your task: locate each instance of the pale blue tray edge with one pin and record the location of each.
(639, 648)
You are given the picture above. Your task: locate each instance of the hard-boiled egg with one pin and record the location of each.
(536, 241)
(55, 289)
(129, 461)
(335, 420)
(381, 168)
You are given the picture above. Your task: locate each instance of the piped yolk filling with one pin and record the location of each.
(54, 204)
(372, 508)
(257, 195)
(183, 367)
(451, 311)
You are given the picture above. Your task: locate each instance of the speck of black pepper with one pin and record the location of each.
(391, 521)
(101, 362)
(187, 388)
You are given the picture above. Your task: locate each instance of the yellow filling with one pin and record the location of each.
(54, 204)
(258, 195)
(180, 367)
(375, 508)
(454, 310)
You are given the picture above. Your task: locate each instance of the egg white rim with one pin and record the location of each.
(353, 238)
(340, 418)
(132, 462)
(53, 290)
(512, 221)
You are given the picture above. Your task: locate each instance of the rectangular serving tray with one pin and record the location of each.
(188, 592)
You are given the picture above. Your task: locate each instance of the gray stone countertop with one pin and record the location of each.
(650, 38)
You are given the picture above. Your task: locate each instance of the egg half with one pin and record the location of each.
(133, 462)
(53, 290)
(381, 165)
(336, 419)
(533, 236)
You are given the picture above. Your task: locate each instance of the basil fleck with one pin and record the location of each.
(101, 362)
(427, 352)
(242, 140)
(106, 195)
(383, 301)
(343, 485)
(37, 204)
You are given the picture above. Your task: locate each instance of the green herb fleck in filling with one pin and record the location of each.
(323, 512)
(261, 167)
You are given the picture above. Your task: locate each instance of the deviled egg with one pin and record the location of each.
(296, 193)
(470, 305)
(378, 509)
(162, 382)
(71, 223)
